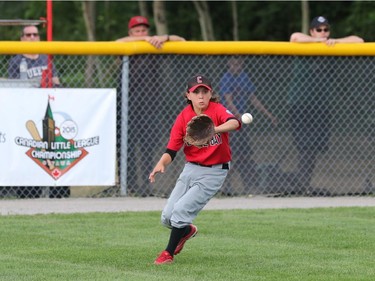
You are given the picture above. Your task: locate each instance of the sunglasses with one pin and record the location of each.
(322, 29)
(31, 34)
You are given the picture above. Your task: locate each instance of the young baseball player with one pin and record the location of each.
(206, 167)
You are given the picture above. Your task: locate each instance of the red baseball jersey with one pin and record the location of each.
(217, 151)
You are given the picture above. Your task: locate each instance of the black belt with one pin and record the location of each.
(224, 166)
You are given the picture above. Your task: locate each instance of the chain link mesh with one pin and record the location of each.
(322, 145)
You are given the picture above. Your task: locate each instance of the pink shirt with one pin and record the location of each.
(218, 150)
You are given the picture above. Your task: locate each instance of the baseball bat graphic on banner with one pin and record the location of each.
(33, 130)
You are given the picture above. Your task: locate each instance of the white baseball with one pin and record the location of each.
(247, 118)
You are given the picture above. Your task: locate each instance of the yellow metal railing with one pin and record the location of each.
(188, 47)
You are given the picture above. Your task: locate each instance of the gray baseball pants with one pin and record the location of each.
(195, 186)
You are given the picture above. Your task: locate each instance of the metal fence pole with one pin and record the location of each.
(124, 125)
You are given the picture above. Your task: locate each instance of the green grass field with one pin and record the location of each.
(287, 244)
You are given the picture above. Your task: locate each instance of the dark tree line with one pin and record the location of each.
(256, 20)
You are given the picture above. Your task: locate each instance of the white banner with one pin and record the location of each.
(57, 137)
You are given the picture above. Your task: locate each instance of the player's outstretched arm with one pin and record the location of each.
(228, 126)
(160, 167)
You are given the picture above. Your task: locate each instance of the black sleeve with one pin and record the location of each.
(172, 153)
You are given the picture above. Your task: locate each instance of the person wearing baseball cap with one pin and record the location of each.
(138, 20)
(198, 81)
(310, 111)
(139, 30)
(320, 31)
(206, 165)
(140, 91)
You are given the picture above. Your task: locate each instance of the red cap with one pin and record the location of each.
(138, 20)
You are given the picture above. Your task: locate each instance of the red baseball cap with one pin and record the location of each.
(138, 20)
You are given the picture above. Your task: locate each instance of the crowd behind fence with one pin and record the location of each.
(150, 90)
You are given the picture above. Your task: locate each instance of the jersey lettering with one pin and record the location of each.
(216, 140)
(36, 71)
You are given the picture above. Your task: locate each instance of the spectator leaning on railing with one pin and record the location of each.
(139, 29)
(310, 103)
(146, 97)
(36, 63)
(320, 31)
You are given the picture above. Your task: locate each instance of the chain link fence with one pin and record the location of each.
(320, 143)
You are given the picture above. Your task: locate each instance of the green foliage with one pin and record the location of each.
(112, 19)
(68, 25)
(179, 16)
(289, 244)
(362, 17)
(258, 20)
